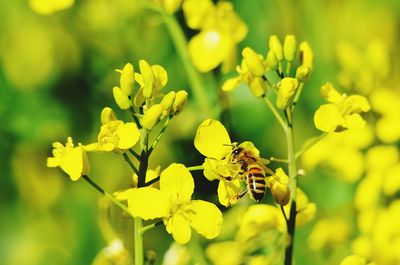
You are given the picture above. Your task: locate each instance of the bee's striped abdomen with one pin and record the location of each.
(256, 183)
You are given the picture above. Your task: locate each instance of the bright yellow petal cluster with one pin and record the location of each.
(353, 260)
(251, 72)
(213, 141)
(114, 135)
(328, 233)
(305, 209)
(225, 253)
(48, 7)
(342, 112)
(172, 202)
(71, 159)
(221, 29)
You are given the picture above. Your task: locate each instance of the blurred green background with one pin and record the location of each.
(57, 72)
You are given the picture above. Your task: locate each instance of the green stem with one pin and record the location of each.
(288, 66)
(136, 155)
(297, 96)
(275, 112)
(157, 140)
(194, 168)
(135, 118)
(138, 240)
(108, 195)
(280, 160)
(292, 186)
(310, 144)
(148, 227)
(131, 165)
(180, 42)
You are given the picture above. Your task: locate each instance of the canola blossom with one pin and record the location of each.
(71, 159)
(173, 203)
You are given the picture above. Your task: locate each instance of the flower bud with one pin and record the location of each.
(303, 73)
(180, 101)
(127, 79)
(306, 55)
(289, 47)
(152, 116)
(253, 62)
(280, 187)
(168, 101)
(258, 87)
(148, 78)
(287, 88)
(276, 46)
(121, 98)
(272, 61)
(107, 115)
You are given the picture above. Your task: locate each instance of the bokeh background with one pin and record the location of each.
(57, 73)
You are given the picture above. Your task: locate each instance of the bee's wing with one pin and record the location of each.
(264, 161)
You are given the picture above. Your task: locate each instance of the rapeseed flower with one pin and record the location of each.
(342, 112)
(213, 141)
(71, 159)
(221, 29)
(173, 203)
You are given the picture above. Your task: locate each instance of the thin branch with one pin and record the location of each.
(194, 168)
(280, 160)
(276, 113)
(132, 166)
(150, 226)
(310, 144)
(157, 140)
(136, 155)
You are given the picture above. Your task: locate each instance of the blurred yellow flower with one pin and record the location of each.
(342, 113)
(305, 209)
(114, 135)
(172, 202)
(353, 260)
(221, 29)
(225, 253)
(213, 141)
(176, 255)
(71, 159)
(328, 233)
(48, 7)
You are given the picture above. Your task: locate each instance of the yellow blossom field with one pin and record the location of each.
(195, 132)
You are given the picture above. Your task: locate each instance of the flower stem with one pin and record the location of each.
(132, 166)
(157, 140)
(105, 193)
(292, 166)
(195, 168)
(310, 144)
(138, 241)
(196, 82)
(148, 227)
(275, 112)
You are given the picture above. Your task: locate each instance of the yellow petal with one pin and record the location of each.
(121, 99)
(231, 83)
(127, 79)
(353, 260)
(208, 49)
(205, 218)
(210, 169)
(276, 46)
(287, 88)
(148, 203)
(128, 135)
(228, 191)
(328, 118)
(306, 55)
(107, 115)
(358, 103)
(160, 75)
(330, 94)
(177, 182)
(180, 101)
(124, 195)
(354, 121)
(212, 139)
(225, 253)
(197, 12)
(148, 78)
(48, 7)
(253, 62)
(152, 116)
(180, 229)
(289, 47)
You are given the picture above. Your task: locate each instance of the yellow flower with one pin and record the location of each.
(48, 7)
(287, 88)
(115, 135)
(176, 255)
(127, 79)
(225, 253)
(353, 260)
(328, 233)
(172, 202)
(212, 141)
(152, 79)
(152, 116)
(221, 29)
(252, 77)
(342, 113)
(280, 187)
(72, 160)
(306, 55)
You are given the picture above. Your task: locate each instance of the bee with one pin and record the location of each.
(252, 169)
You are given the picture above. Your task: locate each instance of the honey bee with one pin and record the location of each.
(252, 169)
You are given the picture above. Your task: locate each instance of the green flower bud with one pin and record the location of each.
(253, 62)
(152, 116)
(258, 87)
(148, 78)
(168, 101)
(303, 73)
(272, 61)
(107, 115)
(287, 88)
(289, 47)
(121, 98)
(180, 101)
(276, 46)
(127, 79)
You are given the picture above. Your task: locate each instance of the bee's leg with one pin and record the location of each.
(226, 178)
(241, 194)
